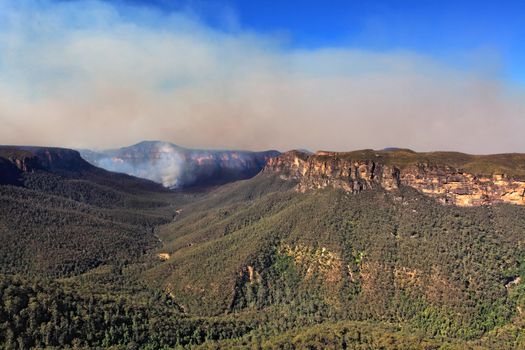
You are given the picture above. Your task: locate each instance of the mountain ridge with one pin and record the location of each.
(451, 177)
(18, 162)
(177, 167)
(140, 266)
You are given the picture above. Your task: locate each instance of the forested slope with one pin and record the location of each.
(61, 216)
(329, 255)
(92, 259)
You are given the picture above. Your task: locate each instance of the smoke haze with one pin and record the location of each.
(166, 168)
(89, 75)
(177, 167)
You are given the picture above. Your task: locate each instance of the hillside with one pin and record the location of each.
(304, 258)
(316, 251)
(64, 216)
(179, 167)
(452, 178)
(512, 164)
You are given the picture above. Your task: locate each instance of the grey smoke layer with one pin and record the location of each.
(81, 75)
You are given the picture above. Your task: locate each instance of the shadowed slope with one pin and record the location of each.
(65, 216)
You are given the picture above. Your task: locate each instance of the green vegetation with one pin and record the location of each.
(45, 314)
(56, 226)
(341, 335)
(253, 264)
(332, 256)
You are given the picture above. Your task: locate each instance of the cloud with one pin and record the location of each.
(91, 74)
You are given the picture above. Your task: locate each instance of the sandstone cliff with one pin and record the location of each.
(29, 159)
(17, 160)
(429, 173)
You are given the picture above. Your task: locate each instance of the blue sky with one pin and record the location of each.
(448, 30)
(336, 75)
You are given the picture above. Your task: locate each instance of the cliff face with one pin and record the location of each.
(17, 160)
(461, 188)
(448, 184)
(313, 173)
(175, 166)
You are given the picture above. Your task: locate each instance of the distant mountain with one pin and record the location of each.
(176, 167)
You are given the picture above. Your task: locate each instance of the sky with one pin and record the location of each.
(332, 75)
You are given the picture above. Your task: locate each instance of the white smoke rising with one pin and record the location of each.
(176, 167)
(165, 167)
(169, 166)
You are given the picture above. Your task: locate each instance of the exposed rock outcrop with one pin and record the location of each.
(355, 173)
(10, 174)
(17, 160)
(352, 176)
(461, 188)
(29, 159)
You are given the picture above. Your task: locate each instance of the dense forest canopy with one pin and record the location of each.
(93, 259)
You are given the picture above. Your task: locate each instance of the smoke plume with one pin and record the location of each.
(94, 75)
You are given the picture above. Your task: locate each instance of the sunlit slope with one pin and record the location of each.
(397, 256)
(512, 164)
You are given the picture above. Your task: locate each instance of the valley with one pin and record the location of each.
(262, 175)
(179, 167)
(325, 250)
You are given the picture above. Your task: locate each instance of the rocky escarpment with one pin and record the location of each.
(30, 159)
(427, 173)
(462, 188)
(16, 160)
(330, 170)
